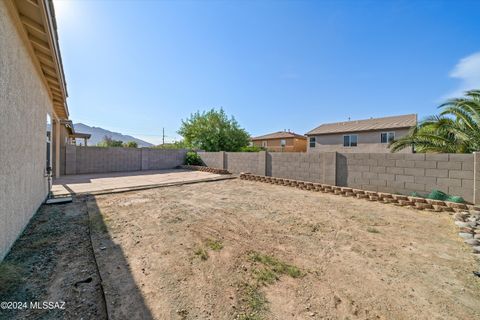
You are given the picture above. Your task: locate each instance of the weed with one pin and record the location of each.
(372, 230)
(265, 276)
(10, 275)
(202, 253)
(215, 245)
(256, 303)
(277, 266)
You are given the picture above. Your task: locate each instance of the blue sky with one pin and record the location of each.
(138, 66)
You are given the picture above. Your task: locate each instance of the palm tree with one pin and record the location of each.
(455, 130)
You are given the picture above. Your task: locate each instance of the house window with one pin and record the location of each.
(387, 137)
(350, 140)
(283, 142)
(312, 142)
(264, 144)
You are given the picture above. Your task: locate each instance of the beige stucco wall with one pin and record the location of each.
(24, 103)
(367, 142)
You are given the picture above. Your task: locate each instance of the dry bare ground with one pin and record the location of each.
(246, 250)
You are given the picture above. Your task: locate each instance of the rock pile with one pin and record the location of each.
(468, 223)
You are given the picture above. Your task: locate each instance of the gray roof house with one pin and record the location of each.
(369, 135)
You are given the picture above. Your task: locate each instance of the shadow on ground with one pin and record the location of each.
(53, 261)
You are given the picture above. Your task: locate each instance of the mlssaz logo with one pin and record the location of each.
(47, 305)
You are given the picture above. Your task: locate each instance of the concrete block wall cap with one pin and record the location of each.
(346, 189)
(371, 193)
(400, 197)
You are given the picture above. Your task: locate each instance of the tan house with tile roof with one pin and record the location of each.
(281, 141)
(369, 136)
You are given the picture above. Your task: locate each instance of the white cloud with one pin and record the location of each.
(467, 71)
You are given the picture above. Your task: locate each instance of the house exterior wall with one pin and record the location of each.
(24, 104)
(291, 145)
(368, 141)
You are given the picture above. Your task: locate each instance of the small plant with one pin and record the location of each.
(215, 245)
(265, 276)
(372, 230)
(193, 159)
(202, 254)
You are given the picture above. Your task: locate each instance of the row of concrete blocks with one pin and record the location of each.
(206, 169)
(396, 199)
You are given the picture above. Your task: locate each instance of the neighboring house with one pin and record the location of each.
(283, 141)
(370, 135)
(33, 112)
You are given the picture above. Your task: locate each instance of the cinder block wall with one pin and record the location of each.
(237, 162)
(298, 166)
(213, 159)
(81, 160)
(156, 159)
(389, 172)
(407, 173)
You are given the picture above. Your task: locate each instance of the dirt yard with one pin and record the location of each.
(246, 250)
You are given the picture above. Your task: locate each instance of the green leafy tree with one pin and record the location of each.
(455, 130)
(130, 144)
(213, 131)
(109, 142)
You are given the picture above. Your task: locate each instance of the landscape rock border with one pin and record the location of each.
(205, 169)
(384, 197)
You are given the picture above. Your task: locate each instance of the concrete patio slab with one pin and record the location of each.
(125, 181)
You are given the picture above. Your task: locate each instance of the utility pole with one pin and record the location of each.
(163, 136)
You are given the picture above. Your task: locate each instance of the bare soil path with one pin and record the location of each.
(53, 261)
(238, 249)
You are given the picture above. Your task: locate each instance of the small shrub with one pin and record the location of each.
(193, 159)
(252, 149)
(130, 144)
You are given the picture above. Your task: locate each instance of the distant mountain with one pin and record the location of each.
(99, 133)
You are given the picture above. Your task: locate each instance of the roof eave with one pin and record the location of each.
(353, 131)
